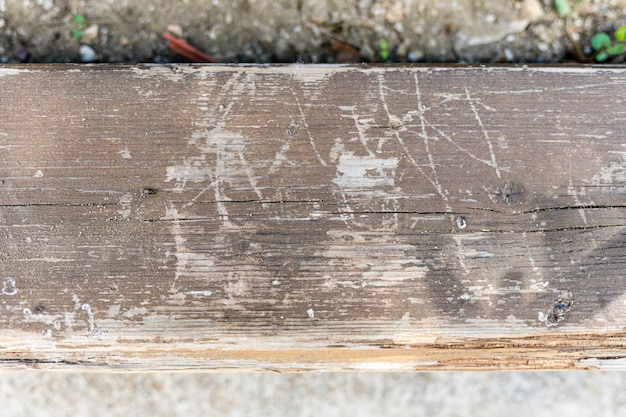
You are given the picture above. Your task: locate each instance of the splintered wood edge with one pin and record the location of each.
(312, 217)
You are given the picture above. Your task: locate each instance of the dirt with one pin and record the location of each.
(309, 31)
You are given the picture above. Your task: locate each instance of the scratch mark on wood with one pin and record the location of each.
(361, 126)
(306, 128)
(494, 162)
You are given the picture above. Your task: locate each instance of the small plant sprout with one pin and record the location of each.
(604, 47)
(562, 7)
(80, 24)
(384, 51)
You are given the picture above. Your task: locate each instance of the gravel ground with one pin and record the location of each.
(129, 31)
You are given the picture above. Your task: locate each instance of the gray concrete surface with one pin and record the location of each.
(536, 394)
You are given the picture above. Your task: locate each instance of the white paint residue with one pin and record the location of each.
(236, 289)
(125, 201)
(310, 313)
(136, 311)
(361, 173)
(561, 69)
(52, 320)
(9, 288)
(362, 126)
(38, 174)
(126, 198)
(183, 173)
(125, 154)
(612, 364)
(206, 293)
(315, 216)
(613, 177)
(11, 71)
(186, 261)
(280, 158)
(571, 190)
(113, 311)
(161, 72)
(315, 74)
(90, 318)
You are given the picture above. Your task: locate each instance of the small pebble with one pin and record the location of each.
(175, 30)
(395, 14)
(20, 53)
(90, 33)
(415, 56)
(509, 54)
(87, 54)
(532, 10)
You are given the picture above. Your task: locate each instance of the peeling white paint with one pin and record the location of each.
(205, 293)
(315, 216)
(363, 173)
(310, 313)
(607, 364)
(12, 71)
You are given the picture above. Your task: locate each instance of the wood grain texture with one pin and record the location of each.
(312, 217)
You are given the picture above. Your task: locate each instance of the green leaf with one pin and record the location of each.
(600, 40)
(562, 7)
(602, 56)
(620, 34)
(77, 34)
(384, 53)
(616, 49)
(78, 19)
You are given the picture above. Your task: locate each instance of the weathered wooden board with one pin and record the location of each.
(312, 217)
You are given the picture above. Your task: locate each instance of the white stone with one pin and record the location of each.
(87, 54)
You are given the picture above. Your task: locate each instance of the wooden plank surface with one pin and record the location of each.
(312, 217)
